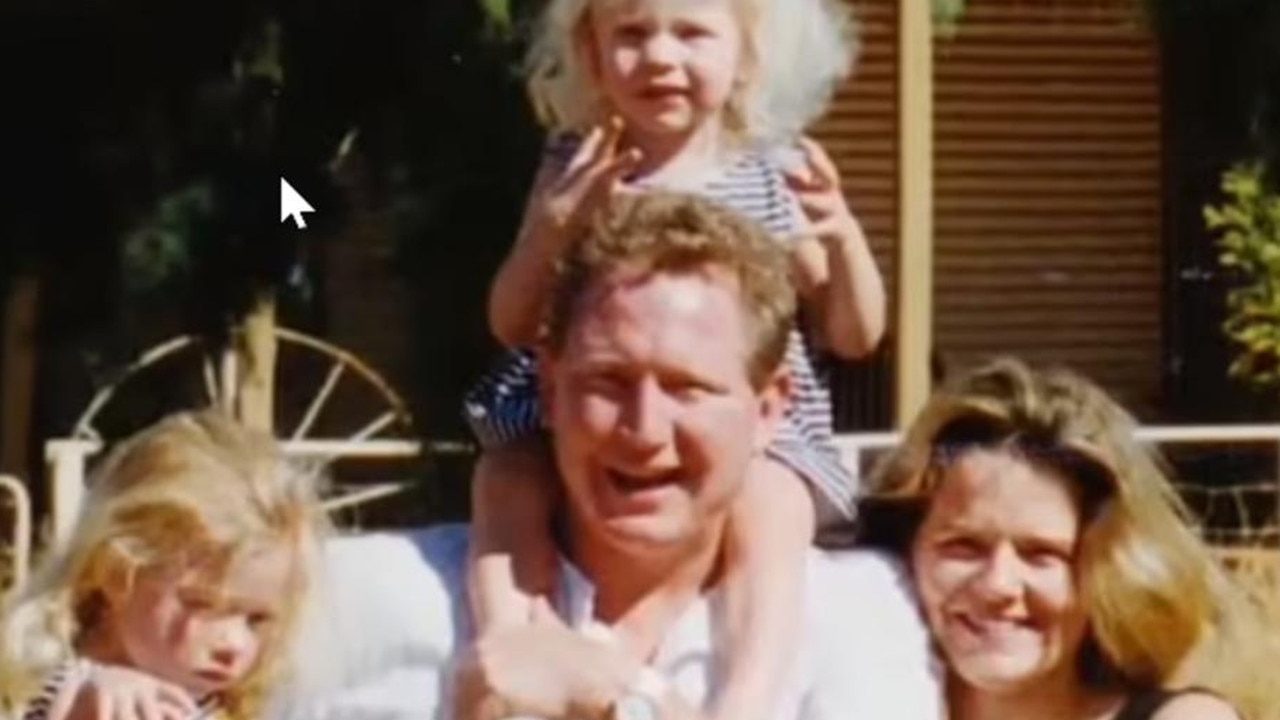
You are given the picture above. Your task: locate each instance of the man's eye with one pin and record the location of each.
(606, 381)
(687, 389)
(961, 547)
(630, 32)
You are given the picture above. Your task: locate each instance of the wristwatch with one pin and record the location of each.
(643, 699)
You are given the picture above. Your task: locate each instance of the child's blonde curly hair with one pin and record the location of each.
(799, 51)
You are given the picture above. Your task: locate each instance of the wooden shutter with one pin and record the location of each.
(1048, 182)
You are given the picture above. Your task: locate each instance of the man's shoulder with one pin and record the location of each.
(392, 588)
(869, 648)
(438, 548)
(867, 592)
(419, 558)
(388, 608)
(872, 573)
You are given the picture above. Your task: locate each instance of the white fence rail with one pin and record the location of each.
(66, 462)
(853, 446)
(19, 538)
(67, 459)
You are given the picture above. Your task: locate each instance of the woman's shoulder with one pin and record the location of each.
(1186, 704)
(1196, 705)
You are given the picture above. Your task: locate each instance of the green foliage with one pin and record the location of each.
(498, 14)
(1248, 228)
(946, 16)
(158, 248)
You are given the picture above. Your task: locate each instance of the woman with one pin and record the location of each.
(1054, 563)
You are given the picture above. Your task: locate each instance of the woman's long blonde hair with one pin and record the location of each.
(1162, 611)
(193, 485)
(798, 52)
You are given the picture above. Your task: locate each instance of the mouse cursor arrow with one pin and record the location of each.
(293, 205)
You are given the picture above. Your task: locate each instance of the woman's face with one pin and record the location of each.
(994, 566)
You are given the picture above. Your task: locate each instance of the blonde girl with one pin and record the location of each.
(177, 593)
(710, 97)
(1056, 565)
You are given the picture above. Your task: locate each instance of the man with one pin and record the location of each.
(662, 377)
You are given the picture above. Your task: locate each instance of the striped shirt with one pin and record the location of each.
(504, 404)
(76, 672)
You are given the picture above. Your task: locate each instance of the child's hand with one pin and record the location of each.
(112, 692)
(592, 176)
(816, 183)
(835, 270)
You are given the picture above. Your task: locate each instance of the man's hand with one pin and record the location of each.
(540, 669)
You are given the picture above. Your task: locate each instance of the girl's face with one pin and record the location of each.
(666, 66)
(994, 568)
(204, 636)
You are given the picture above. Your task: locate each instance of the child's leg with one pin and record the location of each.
(513, 558)
(771, 526)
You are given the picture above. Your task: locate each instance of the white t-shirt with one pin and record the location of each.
(380, 643)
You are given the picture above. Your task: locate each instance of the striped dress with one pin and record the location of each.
(76, 671)
(504, 404)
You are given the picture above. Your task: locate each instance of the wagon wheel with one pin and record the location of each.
(312, 376)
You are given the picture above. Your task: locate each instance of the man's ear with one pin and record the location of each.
(772, 401)
(546, 382)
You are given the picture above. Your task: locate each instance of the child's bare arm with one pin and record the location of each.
(560, 203)
(526, 271)
(771, 527)
(836, 270)
(513, 556)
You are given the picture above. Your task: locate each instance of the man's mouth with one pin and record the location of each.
(628, 483)
(660, 92)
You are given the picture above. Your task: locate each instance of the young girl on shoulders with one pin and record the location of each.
(711, 97)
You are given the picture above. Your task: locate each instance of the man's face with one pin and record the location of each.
(654, 416)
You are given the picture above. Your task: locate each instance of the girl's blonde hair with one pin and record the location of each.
(798, 52)
(194, 487)
(1162, 611)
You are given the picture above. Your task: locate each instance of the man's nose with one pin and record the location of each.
(647, 423)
